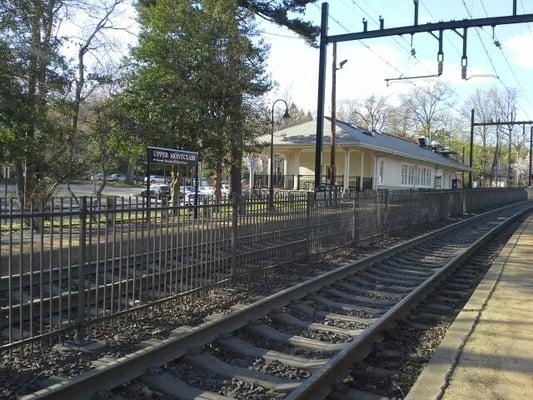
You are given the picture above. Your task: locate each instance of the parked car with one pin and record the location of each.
(117, 177)
(97, 177)
(208, 190)
(186, 189)
(157, 191)
(188, 199)
(158, 179)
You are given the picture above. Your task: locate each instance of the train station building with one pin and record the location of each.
(365, 160)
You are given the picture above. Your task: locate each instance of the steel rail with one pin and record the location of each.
(120, 371)
(320, 384)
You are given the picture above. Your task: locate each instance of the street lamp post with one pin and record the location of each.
(271, 183)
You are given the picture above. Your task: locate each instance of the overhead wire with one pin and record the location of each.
(469, 13)
(280, 35)
(524, 9)
(336, 21)
(416, 60)
(451, 42)
(500, 47)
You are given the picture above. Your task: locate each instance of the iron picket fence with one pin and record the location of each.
(68, 263)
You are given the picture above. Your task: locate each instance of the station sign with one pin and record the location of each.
(159, 155)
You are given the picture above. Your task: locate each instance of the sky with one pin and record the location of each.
(293, 64)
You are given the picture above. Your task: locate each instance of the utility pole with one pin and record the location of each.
(321, 93)
(470, 177)
(333, 166)
(334, 69)
(530, 150)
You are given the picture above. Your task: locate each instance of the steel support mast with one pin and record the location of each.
(430, 28)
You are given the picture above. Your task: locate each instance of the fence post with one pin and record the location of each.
(308, 204)
(463, 201)
(385, 218)
(234, 233)
(81, 267)
(111, 205)
(354, 219)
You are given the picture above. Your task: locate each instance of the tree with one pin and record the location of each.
(279, 12)
(28, 32)
(427, 108)
(195, 75)
(484, 110)
(101, 12)
(506, 103)
(296, 116)
(372, 113)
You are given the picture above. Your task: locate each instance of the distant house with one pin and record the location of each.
(365, 160)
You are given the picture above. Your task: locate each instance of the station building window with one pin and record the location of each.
(405, 174)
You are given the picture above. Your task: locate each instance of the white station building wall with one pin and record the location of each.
(404, 173)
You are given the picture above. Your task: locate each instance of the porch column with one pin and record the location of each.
(346, 182)
(362, 170)
(285, 170)
(296, 169)
(375, 178)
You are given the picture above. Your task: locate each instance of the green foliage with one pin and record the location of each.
(194, 79)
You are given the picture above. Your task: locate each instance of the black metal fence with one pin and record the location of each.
(67, 264)
(307, 182)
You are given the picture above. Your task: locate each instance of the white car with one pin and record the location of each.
(208, 190)
(186, 189)
(158, 179)
(117, 177)
(188, 199)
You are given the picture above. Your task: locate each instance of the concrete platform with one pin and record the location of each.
(488, 351)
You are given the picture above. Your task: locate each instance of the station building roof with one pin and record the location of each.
(304, 136)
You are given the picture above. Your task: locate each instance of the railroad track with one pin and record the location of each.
(390, 373)
(295, 344)
(42, 300)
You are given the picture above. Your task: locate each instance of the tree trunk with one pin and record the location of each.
(19, 179)
(101, 186)
(130, 175)
(218, 181)
(175, 186)
(236, 170)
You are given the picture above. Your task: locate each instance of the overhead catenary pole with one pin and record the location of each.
(530, 151)
(470, 175)
(499, 123)
(333, 166)
(432, 27)
(321, 93)
(463, 172)
(454, 25)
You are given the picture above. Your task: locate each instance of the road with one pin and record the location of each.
(86, 189)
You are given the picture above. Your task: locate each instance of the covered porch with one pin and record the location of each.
(355, 169)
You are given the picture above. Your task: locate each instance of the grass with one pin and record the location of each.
(108, 183)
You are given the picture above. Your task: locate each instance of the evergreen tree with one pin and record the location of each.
(194, 76)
